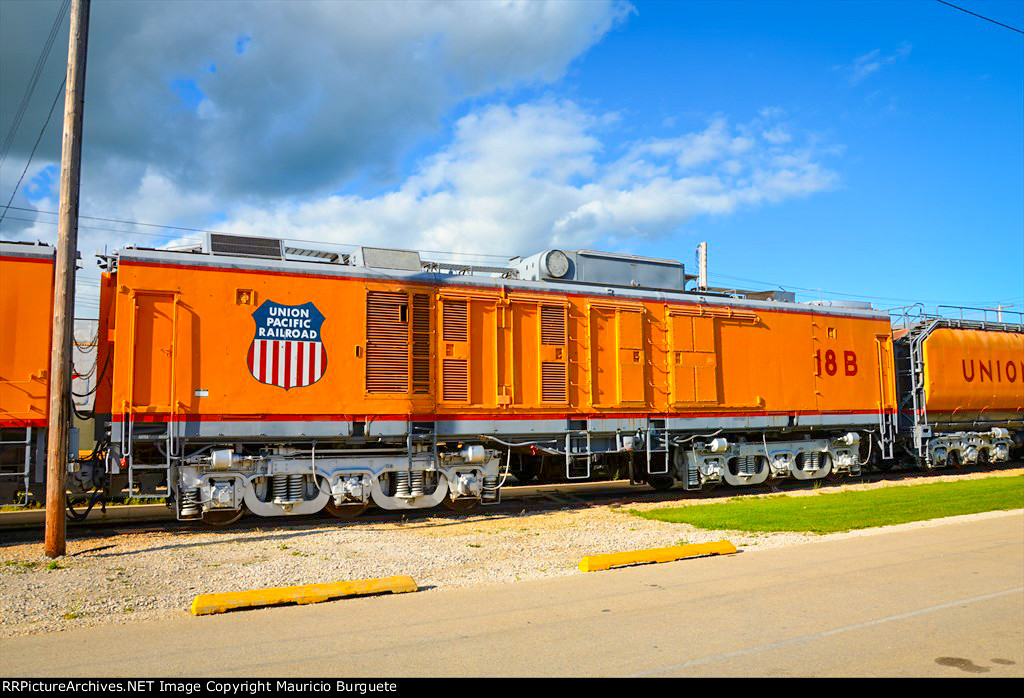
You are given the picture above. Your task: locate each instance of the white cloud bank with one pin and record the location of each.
(255, 98)
(250, 117)
(516, 179)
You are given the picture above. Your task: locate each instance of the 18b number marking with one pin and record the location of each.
(831, 365)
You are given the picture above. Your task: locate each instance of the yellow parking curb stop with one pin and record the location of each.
(311, 593)
(593, 563)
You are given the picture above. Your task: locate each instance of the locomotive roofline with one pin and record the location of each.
(27, 250)
(328, 270)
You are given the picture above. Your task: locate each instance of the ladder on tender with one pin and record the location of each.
(577, 449)
(134, 469)
(922, 430)
(20, 470)
(659, 448)
(131, 432)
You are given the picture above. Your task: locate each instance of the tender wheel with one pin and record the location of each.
(661, 482)
(346, 511)
(460, 504)
(220, 518)
(953, 460)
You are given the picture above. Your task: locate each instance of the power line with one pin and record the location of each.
(33, 80)
(93, 227)
(218, 232)
(33, 153)
(1007, 26)
(118, 220)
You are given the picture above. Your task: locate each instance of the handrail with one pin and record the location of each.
(631, 306)
(909, 319)
(466, 295)
(725, 312)
(517, 297)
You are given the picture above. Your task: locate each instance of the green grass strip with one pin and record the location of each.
(845, 511)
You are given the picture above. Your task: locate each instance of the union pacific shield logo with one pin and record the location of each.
(287, 350)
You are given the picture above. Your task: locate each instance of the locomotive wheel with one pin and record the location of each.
(346, 511)
(459, 505)
(222, 518)
(661, 482)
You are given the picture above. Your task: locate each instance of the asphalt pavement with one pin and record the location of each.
(945, 599)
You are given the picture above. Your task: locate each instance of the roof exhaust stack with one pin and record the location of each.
(702, 266)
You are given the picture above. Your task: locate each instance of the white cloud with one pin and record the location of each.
(320, 93)
(198, 109)
(870, 63)
(514, 180)
(777, 135)
(264, 99)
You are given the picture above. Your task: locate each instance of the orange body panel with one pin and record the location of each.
(181, 337)
(26, 316)
(974, 374)
(104, 343)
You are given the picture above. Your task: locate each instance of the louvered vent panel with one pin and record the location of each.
(553, 382)
(456, 325)
(420, 344)
(387, 342)
(552, 325)
(245, 246)
(456, 380)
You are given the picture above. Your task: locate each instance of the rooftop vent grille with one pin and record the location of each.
(383, 258)
(316, 254)
(245, 246)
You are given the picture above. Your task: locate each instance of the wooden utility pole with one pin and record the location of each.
(64, 282)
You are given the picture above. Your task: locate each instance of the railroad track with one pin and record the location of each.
(532, 497)
(148, 513)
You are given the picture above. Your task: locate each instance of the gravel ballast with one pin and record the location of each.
(120, 576)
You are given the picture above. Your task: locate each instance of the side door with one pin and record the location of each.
(694, 359)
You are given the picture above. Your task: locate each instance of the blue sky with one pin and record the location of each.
(929, 201)
(867, 149)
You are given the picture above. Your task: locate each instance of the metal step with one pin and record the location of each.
(577, 449)
(658, 444)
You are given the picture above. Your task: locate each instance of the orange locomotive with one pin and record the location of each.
(26, 312)
(250, 374)
(290, 380)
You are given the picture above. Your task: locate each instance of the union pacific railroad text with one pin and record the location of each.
(985, 371)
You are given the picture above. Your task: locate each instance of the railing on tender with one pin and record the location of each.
(916, 315)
